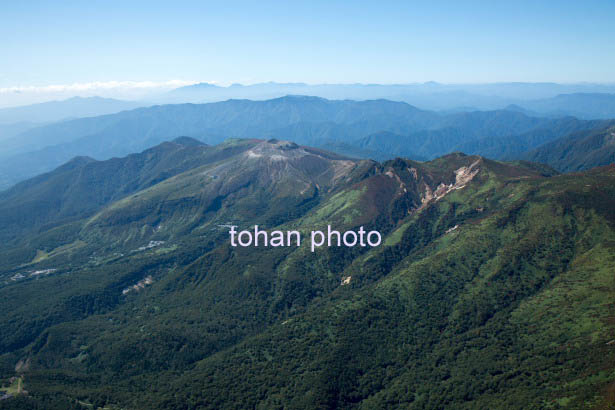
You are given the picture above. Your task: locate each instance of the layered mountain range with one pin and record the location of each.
(492, 287)
(375, 129)
(587, 101)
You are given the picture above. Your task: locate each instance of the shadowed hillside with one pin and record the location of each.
(578, 151)
(375, 129)
(492, 288)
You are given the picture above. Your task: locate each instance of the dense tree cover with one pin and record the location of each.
(578, 151)
(497, 294)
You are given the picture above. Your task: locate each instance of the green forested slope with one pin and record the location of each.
(493, 289)
(578, 151)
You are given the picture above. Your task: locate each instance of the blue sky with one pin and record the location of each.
(64, 42)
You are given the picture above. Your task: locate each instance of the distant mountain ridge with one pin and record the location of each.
(378, 128)
(581, 105)
(75, 107)
(587, 101)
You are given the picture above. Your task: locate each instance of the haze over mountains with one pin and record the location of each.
(377, 129)
(587, 101)
(75, 107)
(584, 100)
(16, 120)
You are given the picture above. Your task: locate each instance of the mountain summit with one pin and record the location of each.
(491, 287)
(375, 129)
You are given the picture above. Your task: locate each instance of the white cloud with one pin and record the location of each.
(97, 86)
(126, 90)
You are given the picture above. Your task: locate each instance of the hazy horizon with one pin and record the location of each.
(138, 49)
(156, 92)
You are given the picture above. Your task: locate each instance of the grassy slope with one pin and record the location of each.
(510, 309)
